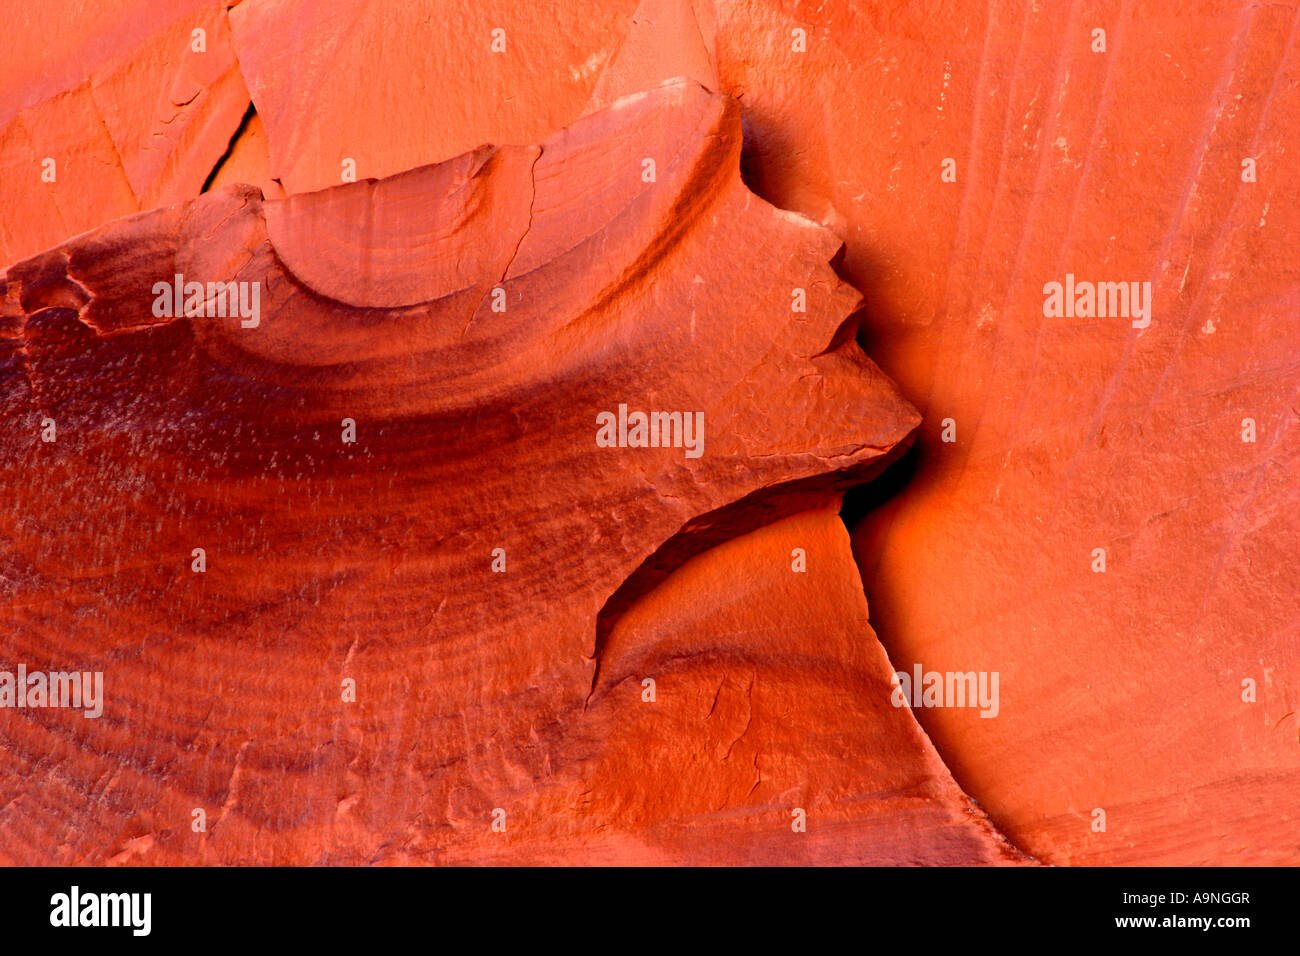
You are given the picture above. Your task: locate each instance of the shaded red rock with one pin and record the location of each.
(107, 111)
(372, 561)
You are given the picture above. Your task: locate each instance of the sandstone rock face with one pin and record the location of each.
(109, 110)
(1099, 509)
(416, 550)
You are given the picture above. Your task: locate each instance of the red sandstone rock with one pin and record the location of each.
(392, 86)
(373, 561)
(109, 109)
(1121, 690)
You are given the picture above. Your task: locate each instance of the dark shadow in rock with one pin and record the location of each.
(863, 499)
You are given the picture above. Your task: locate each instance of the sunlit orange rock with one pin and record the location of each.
(391, 86)
(109, 109)
(1122, 690)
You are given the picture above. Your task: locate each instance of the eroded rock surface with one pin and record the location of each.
(471, 333)
(967, 154)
